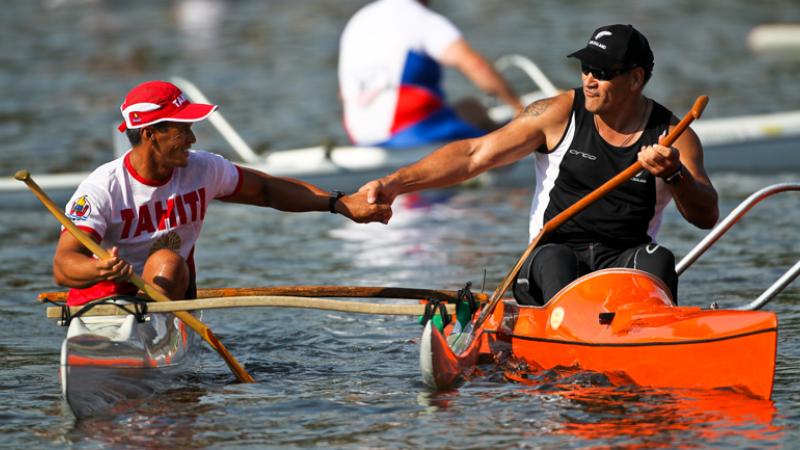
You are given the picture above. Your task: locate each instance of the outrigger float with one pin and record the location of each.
(623, 322)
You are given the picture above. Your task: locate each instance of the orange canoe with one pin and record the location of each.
(620, 321)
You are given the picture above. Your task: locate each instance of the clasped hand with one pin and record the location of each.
(114, 268)
(659, 160)
(359, 209)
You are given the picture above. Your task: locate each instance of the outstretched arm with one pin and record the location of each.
(480, 72)
(289, 194)
(540, 123)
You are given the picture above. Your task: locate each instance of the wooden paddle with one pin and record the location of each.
(580, 205)
(94, 247)
(54, 312)
(314, 291)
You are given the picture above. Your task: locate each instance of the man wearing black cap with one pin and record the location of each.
(580, 139)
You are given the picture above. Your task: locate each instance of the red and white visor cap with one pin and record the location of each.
(158, 101)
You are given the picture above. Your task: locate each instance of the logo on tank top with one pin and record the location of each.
(640, 177)
(588, 156)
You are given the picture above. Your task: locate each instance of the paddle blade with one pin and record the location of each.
(200, 328)
(233, 365)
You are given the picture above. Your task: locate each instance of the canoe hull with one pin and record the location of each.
(106, 361)
(441, 366)
(693, 364)
(623, 322)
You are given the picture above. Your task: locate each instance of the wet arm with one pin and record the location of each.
(285, 194)
(695, 196)
(462, 160)
(292, 195)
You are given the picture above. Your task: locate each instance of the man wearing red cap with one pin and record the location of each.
(580, 139)
(149, 205)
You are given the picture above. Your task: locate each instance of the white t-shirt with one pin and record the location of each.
(389, 71)
(120, 208)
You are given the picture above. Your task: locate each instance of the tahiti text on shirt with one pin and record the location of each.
(164, 215)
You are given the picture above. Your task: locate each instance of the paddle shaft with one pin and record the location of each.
(154, 294)
(316, 291)
(580, 205)
(54, 312)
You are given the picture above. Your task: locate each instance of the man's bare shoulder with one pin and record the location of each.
(552, 107)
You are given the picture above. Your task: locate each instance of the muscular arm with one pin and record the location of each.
(285, 194)
(695, 196)
(289, 194)
(453, 163)
(480, 72)
(74, 266)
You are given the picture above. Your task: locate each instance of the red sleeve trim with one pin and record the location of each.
(238, 184)
(92, 233)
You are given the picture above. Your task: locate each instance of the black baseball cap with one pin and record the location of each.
(614, 45)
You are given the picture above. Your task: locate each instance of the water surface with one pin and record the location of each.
(335, 380)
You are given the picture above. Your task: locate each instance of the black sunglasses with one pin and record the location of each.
(604, 74)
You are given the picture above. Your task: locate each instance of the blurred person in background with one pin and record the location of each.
(390, 77)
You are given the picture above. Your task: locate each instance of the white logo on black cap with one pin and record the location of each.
(598, 36)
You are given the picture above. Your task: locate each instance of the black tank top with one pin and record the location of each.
(623, 216)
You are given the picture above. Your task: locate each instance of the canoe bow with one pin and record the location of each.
(441, 367)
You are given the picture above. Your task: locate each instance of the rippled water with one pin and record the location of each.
(346, 381)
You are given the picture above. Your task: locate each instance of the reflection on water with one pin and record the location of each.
(599, 406)
(607, 411)
(149, 424)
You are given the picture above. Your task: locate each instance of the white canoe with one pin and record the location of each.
(775, 38)
(107, 361)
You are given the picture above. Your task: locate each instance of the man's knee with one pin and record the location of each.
(659, 261)
(653, 257)
(547, 271)
(168, 271)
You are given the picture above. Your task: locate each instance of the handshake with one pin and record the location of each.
(372, 202)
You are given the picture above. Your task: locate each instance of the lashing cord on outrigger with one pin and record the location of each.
(137, 307)
(432, 307)
(436, 311)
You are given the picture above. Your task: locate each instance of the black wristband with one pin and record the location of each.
(335, 196)
(676, 177)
